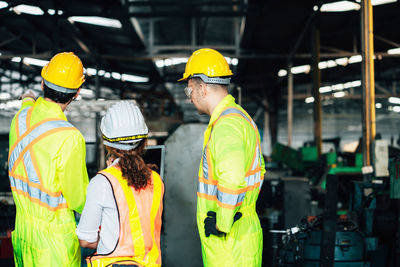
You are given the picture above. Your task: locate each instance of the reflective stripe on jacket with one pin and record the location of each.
(139, 222)
(43, 148)
(230, 177)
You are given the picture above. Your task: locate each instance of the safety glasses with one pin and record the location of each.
(188, 91)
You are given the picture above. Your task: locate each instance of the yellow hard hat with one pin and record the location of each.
(64, 73)
(209, 65)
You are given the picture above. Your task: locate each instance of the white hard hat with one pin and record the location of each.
(123, 126)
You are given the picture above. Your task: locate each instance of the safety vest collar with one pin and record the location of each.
(51, 108)
(228, 100)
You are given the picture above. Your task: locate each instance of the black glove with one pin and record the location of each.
(210, 223)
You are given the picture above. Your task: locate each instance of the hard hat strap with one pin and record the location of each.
(59, 88)
(214, 80)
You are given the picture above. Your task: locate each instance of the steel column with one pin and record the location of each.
(368, 79)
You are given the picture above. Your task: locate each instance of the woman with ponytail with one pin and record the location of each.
(122, 215)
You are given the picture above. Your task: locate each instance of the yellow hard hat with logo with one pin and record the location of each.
(209, 65)
(64, 73)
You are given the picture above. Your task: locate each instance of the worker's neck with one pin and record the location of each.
(62, 106)
(215, 99)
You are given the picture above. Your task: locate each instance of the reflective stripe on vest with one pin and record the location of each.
(208, 187)
(138, 241)
(30, 185)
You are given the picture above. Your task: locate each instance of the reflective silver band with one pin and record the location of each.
(215, 80)
(59, 88)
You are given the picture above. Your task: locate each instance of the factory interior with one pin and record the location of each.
(319, 78)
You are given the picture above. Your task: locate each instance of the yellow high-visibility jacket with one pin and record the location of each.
(230, 177)
(139, 216)
(48, 178)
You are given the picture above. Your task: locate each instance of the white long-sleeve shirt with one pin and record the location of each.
(100, 210)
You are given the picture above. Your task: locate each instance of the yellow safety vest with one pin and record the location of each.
(230, 177)
(139, 222)
(48, 178)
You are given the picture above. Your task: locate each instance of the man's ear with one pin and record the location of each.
(77, 93)
(203, 89)
(41, 85)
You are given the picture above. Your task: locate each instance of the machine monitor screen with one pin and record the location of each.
(155, 155)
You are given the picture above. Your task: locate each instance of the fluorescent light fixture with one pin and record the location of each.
(394, 100)
(378, 105)
(32, 10)
(91, 71)
(51, 11)
(5, 96)
(11, 104)
(339, 94)
(394, 51)
(134, 78)
(86, 92)
(232, 61)
(396, 109)
(99, 21)
(343, 61)
(325, 89)
(301, 69)
(116, 75)
(309, 99)
(382, 2)
(174, 61)
(102, 72)
(315, 8)
(340, 86)
(34, 61)
(355, 59)
(107, 75)
(16, 59)
(327, 64)
(340, 6)
(3, 4)
(282, 73)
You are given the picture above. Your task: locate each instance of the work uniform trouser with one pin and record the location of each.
(40, 243)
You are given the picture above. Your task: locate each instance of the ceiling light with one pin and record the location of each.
(396, 109)
(355, 59)
(309, 100)
(134, 78)
(325, 89)
(51, 11)
(91, 71)
(282, 73)
(32, 10)
(34, 61)
(99, 21)
(394, 100)
(378, 105)
(343, 61)
(16, 59)
(116, 75)
(5, 96)
(340, 6)
(339, 94)
(382, 2)
(3, 4)
(301, 69)
(87, 92)
(394, 51)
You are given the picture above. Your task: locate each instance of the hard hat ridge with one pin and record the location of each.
(123, 126)
(64, 73)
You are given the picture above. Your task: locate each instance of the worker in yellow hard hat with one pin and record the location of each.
(231, 168)
(47, 169)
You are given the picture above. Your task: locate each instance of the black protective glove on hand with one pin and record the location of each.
(210, 223)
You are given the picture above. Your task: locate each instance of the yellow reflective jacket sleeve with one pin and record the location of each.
(27, 102)
(228, 149)
(72, 167)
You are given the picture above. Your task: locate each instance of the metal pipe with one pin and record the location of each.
(290, 104)
(368, 79)
(316, 74)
